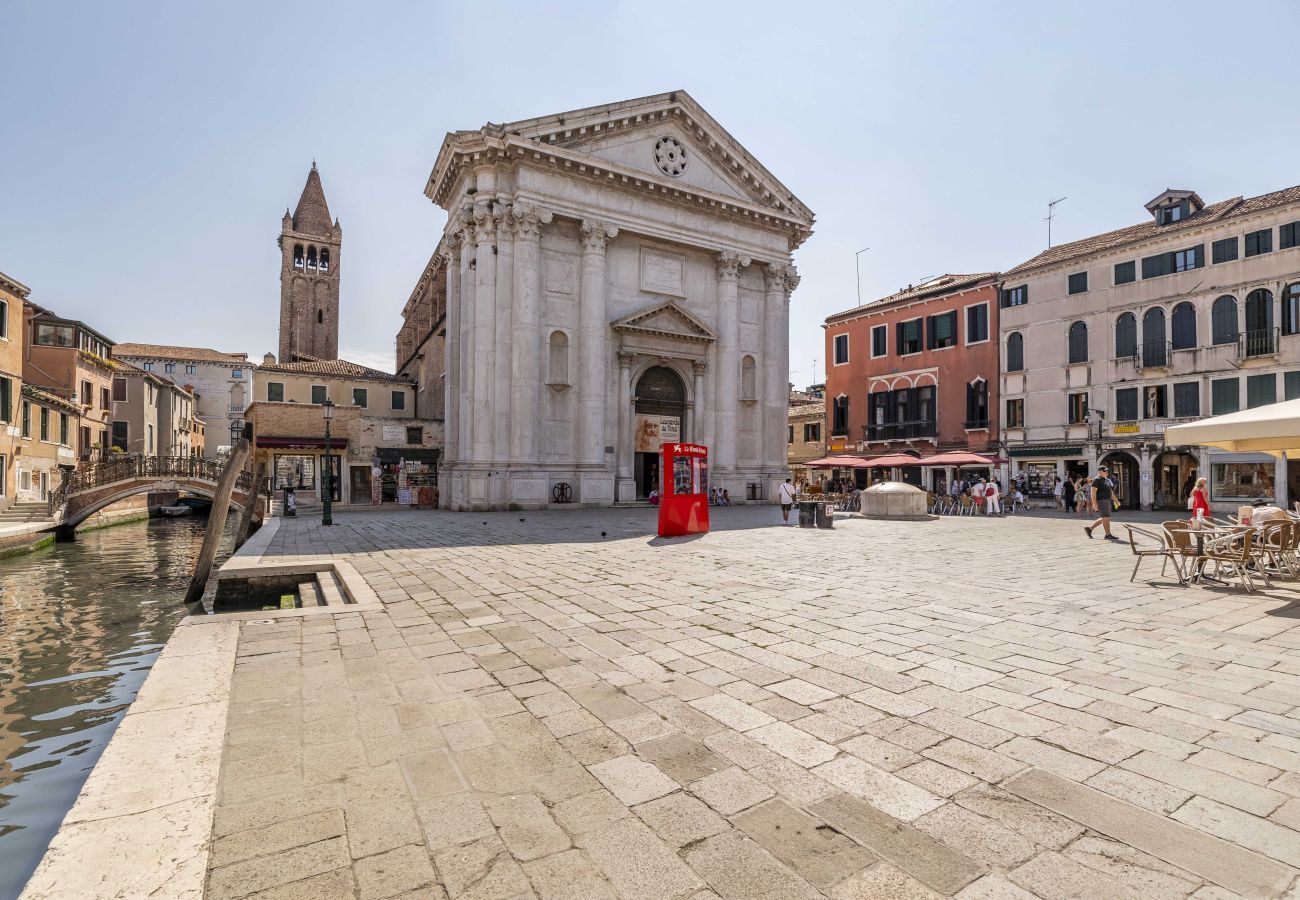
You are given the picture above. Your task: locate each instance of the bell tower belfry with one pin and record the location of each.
(310, 250)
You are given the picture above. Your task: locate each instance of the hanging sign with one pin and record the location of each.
(654, 431)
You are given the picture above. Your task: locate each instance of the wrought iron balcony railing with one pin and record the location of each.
(1262, 342)
(899, 431)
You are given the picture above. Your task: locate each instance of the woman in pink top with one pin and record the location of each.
(1200, 499)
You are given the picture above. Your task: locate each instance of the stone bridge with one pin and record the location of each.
(89, 489)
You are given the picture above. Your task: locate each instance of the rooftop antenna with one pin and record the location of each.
(857, 269)
(1051, 214)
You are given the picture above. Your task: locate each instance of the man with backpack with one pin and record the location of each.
(1103, 502)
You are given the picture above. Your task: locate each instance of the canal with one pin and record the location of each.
(81, 623)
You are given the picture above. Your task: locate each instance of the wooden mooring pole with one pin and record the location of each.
(250, 505)
(217, 521)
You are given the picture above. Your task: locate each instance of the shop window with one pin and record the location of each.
(297, 471)
(1241, 481)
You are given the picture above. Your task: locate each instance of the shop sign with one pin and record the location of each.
(1127, 429)
(395, 433)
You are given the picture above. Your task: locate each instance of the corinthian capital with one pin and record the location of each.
(529, 220)
(791, 279)
(485, 225)
(774, 275)
(595, 235)
(730, 263)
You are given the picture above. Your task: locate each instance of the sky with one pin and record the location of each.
(149, 149)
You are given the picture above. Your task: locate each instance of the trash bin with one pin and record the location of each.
(290, 503)
(808, 513)
(825, 515)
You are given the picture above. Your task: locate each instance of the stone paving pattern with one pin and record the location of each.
(555, 705)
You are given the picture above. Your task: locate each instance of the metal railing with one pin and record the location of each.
(1262, 342)
(976, 423)
(898, 431)
(1155, 354)
(126, 468)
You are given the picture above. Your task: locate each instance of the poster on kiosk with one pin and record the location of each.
(684, 501)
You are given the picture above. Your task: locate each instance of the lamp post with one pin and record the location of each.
(327, 480)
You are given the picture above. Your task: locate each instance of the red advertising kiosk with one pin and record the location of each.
(684, 502)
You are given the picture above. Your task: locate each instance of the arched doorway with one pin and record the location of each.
(660, 407)
(1175, 473)
(1125, 472)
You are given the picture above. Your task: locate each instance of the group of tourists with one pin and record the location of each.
(1072, 494)
(987, 494)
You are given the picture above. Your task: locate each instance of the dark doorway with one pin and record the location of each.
(360, 488)
(1124, 473)
(660, 406)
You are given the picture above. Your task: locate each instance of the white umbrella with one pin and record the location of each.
(1274, 429)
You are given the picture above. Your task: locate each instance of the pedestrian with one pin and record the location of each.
(1066, 496)
(787, 500)
(726, 497)
(992, 498)
(954, 489)
(1198, 500)
(977, 493)
(1103, 503)
(1081, 494)
(1058, 492)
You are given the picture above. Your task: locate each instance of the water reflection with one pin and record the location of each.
(80, 625)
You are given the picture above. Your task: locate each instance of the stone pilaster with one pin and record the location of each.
(484, 359)
(625, 489)
(700, 432)
(464, 241)
(776, 372)
(505, 281)
(451, 383)
(728, 375)
(592, 327)
(526, 401)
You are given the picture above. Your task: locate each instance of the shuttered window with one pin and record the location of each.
(1224, 250)
(1078, 282)
(1015, 352)
(1125, 272)
(1016, 296)
(1225, 396)
(1126, 405)
(1291, 386)
(1187, 399)
(1258, 242)
(941, 330)
(1288, 236)
(1261, 390)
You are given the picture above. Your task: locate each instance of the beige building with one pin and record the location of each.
(805, 435)
(1108, 340)
(13, 293)
(137, 426)
(376, 441)
(44, 453)
(222, 384)
(69, 359)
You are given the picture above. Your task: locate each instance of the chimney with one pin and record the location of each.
(269, 359)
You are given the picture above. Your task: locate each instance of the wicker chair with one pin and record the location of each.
(1179, 536)
(1236, 551)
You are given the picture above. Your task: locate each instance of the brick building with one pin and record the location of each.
(916, 372)
(310, 247)
(422, 341)
(806, 433)
(69, 359)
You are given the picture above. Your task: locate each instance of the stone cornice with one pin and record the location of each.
(643, 322)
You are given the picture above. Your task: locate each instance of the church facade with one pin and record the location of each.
(614, 277)
(310, 246)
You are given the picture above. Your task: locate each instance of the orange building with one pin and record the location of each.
(915, 372)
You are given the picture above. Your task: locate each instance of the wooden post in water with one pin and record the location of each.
(217, 521)
(250, 504)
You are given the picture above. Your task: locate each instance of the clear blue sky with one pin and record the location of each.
(149, 149)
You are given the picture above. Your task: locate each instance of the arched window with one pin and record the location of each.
(559, 358)
(748, 379)
(311, 257)
(324, 260)
(1291, 308)
(1015, 352)
(977, 401)
(840, 415)
(297, 256)
(1126, 336)
(1078, 342)
(1184, 320)
(1259, 323)
(1223, 320)
(1154, 349)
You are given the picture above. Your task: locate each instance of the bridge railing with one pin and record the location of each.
(126, 468)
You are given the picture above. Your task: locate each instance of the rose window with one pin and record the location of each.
(670, 154)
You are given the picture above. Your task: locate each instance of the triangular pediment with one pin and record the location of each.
(666, 320)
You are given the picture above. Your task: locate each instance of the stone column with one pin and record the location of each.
(625, 488)
(592, 328)
(700, 432)
(729, 265)
(451, 384)
(526, 358)
(505, 265)
(484, 360)
(776, 383)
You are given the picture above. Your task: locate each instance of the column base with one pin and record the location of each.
(625, 489)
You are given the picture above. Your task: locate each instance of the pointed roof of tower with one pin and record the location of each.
(312, 215)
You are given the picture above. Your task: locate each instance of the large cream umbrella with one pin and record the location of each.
(1273, 429)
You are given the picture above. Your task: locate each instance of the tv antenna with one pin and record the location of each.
(857, 270)
(1051, 214)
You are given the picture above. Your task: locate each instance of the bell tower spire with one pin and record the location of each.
(310, 249)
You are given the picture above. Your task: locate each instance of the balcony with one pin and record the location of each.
(976, 424)
(1262, 342)
(900, 431)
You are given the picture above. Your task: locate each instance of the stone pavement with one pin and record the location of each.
(556, 705)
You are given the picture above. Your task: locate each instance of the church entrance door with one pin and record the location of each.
(660, 407)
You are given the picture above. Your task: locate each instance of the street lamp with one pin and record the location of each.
(327, 479)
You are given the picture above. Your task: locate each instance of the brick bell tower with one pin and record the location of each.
(310, 248)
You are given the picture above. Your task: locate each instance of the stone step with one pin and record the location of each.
(330, 592)
(309, 595)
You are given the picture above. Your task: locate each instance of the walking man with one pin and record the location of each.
(787, 500)
(1103, 502)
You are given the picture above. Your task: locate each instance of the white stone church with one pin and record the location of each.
(615, 277)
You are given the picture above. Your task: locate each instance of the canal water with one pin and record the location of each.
(80, 625)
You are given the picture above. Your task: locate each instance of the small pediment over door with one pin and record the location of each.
(665, 320)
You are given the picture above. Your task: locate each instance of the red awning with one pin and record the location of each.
(277, 442)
